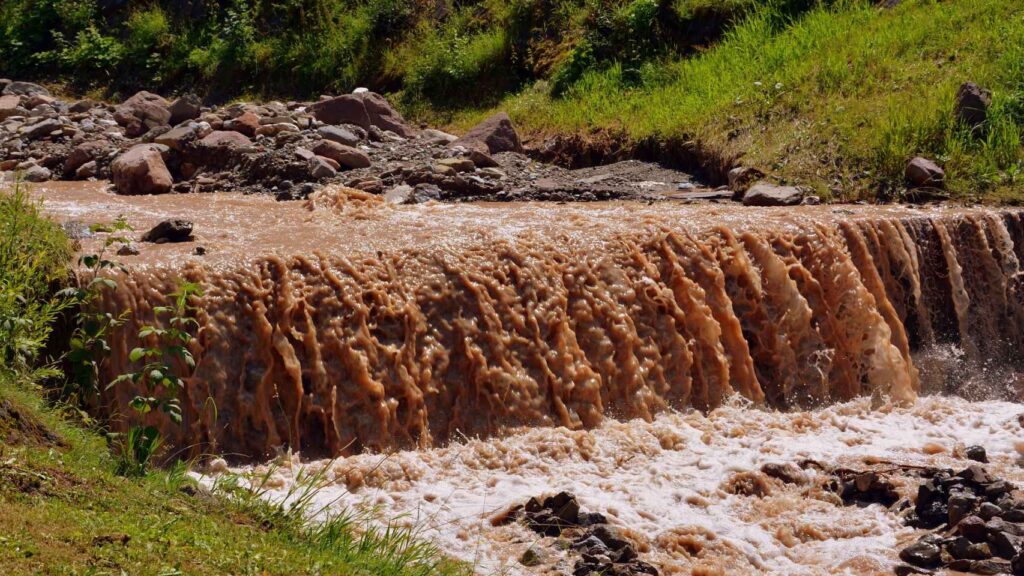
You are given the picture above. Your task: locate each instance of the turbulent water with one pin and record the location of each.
(463, 358)
(343, 325)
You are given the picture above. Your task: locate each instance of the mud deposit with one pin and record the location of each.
(679, 486)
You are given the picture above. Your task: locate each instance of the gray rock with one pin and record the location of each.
(37, 174)
(339, 135)
(320, 168)
(741, 177)
(923, 554)
(184, 108)
(25, 89)
(765, 194)
(87, 170)
(141, 170)
(41, 129)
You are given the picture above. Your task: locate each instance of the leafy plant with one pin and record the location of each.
(158, 381)
(89, 347)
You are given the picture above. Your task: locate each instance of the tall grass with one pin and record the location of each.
(33, 257)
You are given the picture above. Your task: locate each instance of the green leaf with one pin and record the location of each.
(137, 354)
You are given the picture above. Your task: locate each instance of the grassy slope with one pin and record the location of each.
(841, 98)
(63, 510)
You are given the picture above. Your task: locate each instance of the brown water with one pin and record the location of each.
(343, 325)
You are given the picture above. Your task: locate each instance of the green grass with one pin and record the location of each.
(836, 95)
(64, 510)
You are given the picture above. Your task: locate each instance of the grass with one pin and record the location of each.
(65, 510)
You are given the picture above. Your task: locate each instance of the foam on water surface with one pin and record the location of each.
(665, 482)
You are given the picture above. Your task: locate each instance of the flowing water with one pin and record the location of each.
(510, 350)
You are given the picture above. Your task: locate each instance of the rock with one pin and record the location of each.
(141, 170)
(533, 556)
(36, 100)
(142, 112)
(975, 475)
(976, 453)
(127, 250)
(177, 138)
(176, 230)
(989, 567)
(482, 159)
(366, 110)
(458, 164)
(247, 123)
(10, 105)
(25, 89)
(346, 156)
(84, 153)
(224, 139)
(973, 528)
(741, 177)
(493, 135)
(37, 173)
(339, 135)
(1017, 565)
(963, 549)
(185, 108)
(787, 472)
(275, 129)
(320, 168)
(87, 170)
(82, 106)
(972, 104)
(1004, 544)
(610, 537)
(960, 506)
(922, 172)
(764, 194)
(41, 129)
(401, 194)
(433, 136)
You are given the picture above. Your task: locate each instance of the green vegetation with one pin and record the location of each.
(66, 504)
(833, 94)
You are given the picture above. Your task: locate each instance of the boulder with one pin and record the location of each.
(482, 159)
(176, 230)
(346, 156)
(247, 123)
(41, 129)
(84, 153)
(320, 167)
(972, 104)
(142, 112)
(184, 108)
(10, 105)
(764, 194)
(82, 106)
(224, 139)
(25, 89)
(922, 172)
(365, 109)
(141, 170)
(458, 164)
(37, 173)
(493, 135)
(87, 170)
(339, 135)
(177, 138)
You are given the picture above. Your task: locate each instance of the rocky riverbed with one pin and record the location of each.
(149, 144)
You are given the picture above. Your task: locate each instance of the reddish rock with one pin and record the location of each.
(142, 112)
(141, 170)
(224, 139)
(184, 108)
(922, 173)
(84, 153)
(247, 123)
(493, 135)
(365, 109)
(345, 156)
(9, 106)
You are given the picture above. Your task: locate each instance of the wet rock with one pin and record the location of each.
(973, 528)
(922, 172)
(972, 104)
(37, 173)
(989, 567)
(1004, 544)
(87, 170)
(24, 89)
(788, 472)
(176, 230)
(976, 453)
(764, 194)
(963, 549)
(923, 554)
(346, 156)
(128, 250)
(533, 556)
(184, 108)
(493, 135)
(959, 506)
(141, 170)
(365, 110)
(338, 134)
(1017, 565)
